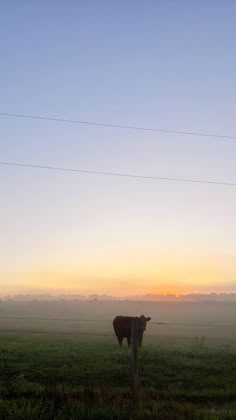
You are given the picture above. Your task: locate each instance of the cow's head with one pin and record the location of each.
(142, 322)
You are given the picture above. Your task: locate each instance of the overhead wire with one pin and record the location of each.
(117, 174)
(119, 126)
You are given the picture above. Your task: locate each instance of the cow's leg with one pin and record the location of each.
(128, 341)
(120, 340)
(140, 340)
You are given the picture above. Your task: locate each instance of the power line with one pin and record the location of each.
(117, 174)
(121, 126)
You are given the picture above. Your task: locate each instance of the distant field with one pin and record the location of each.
(214, 315)
(76, 370)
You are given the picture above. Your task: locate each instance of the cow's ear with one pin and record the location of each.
(148, 318)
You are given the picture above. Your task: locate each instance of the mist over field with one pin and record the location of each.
(180, 322)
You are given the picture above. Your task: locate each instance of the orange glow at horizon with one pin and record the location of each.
(123, 274)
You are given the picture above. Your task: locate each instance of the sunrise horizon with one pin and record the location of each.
(108, 292)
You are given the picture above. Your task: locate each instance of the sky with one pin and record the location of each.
(162, 64)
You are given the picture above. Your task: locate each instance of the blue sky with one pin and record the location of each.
(168, 65)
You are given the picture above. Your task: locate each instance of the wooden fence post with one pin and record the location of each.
(134, 356)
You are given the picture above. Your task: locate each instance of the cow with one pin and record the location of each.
(122, 328)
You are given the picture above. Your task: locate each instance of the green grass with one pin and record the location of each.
(44, 377)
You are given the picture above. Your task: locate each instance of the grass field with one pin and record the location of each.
(76, 370)
(54, 377)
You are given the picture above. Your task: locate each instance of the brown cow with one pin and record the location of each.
(122, 328)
